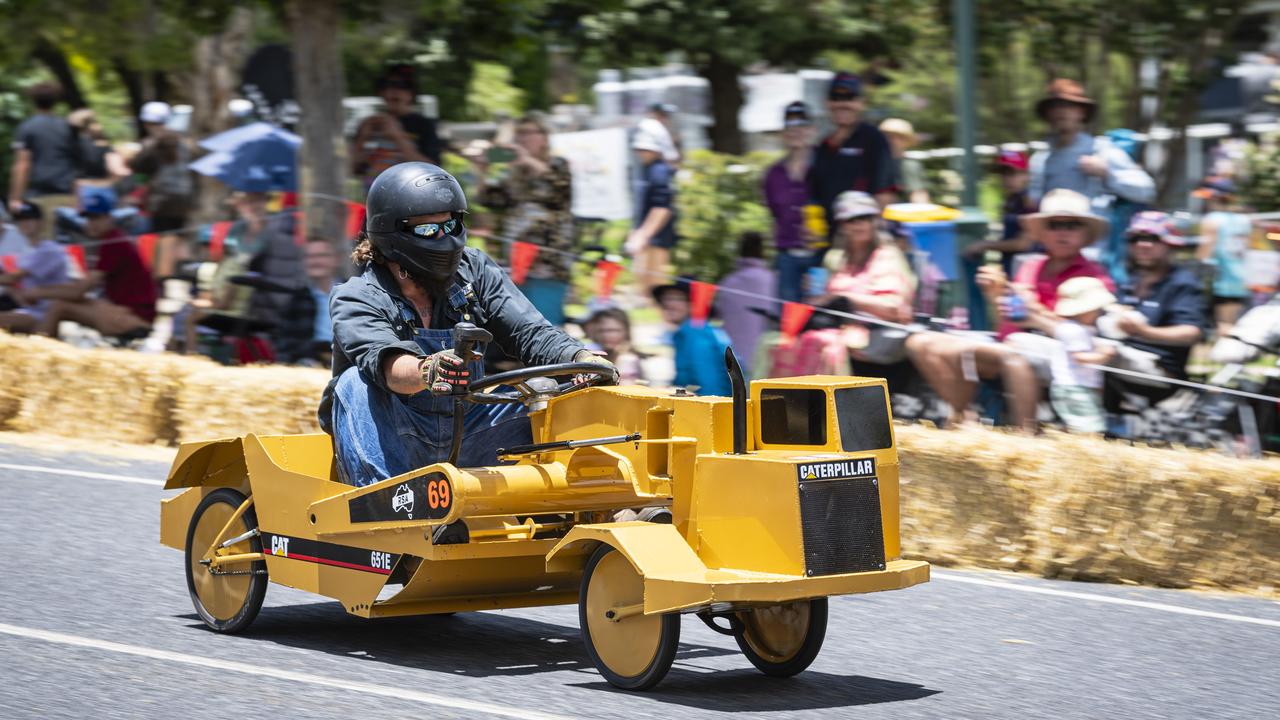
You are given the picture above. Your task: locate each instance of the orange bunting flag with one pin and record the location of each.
(700, 296)
(522, 255)
(10, 263)
(606, 276)
(794, 316)
(355, 219)
(147, 249)
(217, 238)
(77, 253)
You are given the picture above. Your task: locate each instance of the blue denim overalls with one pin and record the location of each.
(378, 434)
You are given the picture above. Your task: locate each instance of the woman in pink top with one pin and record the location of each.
(870, 278)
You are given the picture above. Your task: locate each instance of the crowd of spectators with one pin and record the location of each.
(1078, 271)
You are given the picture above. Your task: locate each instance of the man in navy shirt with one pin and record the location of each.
(855, 156)
(1168, 298)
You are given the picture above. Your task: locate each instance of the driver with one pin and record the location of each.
(387, 405)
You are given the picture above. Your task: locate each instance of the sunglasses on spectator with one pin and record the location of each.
(1065, 224)
(1145, 238)
(430, 230)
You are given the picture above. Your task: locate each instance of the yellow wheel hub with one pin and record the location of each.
(221, 595)
(629, 645)
(778, 632)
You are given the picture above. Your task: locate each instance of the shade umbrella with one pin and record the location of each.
(235, 137)
(266, 164)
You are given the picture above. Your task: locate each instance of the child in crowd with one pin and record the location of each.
(42, 264)
(1224, 239)
(699, 347)
(609, 331)
(1076, 390)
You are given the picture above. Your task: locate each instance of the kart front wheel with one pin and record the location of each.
(782, 640)
(227, 598)
(633, 651)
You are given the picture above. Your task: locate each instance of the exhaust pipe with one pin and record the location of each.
(739, 401)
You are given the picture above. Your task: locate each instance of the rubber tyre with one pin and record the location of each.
(794, 661)
(257, 585)
(668, 641)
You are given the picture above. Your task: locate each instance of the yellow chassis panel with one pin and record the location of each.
(676, 580)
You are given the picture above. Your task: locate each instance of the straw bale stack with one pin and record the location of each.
(52, 387)
(267, 400)
(1078, 507)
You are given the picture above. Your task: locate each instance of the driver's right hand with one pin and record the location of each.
(585, 355)
(444, 373)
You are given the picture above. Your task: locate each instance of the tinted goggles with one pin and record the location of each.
(430, 230)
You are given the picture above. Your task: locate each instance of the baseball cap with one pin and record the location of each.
(1012, 160)
(28, 211)
(796, 115)
(97, 201)
(155, 112)
(853, 203)
(1157, 224)
(844, 86)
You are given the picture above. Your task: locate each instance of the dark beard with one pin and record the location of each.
(434, 288)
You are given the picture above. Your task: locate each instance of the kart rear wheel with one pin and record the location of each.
(782, 640)
(228, 602)
(636, 651)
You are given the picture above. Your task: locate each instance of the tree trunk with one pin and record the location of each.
(319, 87)
(726, 102)
(53, 58)
(218, 59)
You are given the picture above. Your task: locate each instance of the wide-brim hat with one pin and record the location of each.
(1064, 203)
(1065, 90)
(901, 128)
(1080, 295)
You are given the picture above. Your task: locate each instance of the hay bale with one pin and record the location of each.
(1079, 507)
(99, 394)
(266, 400)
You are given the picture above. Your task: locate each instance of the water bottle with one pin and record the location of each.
(816, 280)
(1015, 309)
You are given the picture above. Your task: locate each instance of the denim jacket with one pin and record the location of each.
(368, 325)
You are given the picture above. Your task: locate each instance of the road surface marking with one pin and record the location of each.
(487, 709)
(1104, 599)
(81, 473)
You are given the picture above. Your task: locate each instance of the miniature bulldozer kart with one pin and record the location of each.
(636, 504)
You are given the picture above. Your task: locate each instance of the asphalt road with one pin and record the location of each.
(96, 622)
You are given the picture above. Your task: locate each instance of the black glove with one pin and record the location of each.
(444, 373)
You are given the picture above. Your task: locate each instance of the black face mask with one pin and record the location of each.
(430, 261)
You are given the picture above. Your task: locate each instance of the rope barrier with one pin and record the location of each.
(664, 276)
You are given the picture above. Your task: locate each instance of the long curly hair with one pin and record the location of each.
(365, 252)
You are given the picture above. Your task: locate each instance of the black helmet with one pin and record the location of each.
(408, 190)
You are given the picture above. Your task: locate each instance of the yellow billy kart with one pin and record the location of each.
(745, 512)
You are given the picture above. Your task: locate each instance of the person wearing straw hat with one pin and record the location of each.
(1076, 160)
(908, 172)
(1075, 389)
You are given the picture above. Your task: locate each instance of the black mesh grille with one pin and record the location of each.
(841, 523)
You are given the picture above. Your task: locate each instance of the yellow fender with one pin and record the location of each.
(201, 467)
(657, 551)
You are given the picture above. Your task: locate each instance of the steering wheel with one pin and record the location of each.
(527, 388)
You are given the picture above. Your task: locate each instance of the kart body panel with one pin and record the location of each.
(742, 530)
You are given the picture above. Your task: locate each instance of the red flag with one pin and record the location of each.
(77, 253)
(355, 219)
(794, 316)
(217, 237)
(10, 263)
(147, 249)
(700, 296)
(606, 275)
(522, 255)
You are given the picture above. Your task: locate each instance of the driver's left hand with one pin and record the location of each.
(585, 355)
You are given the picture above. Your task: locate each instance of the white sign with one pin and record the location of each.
(601, 183)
